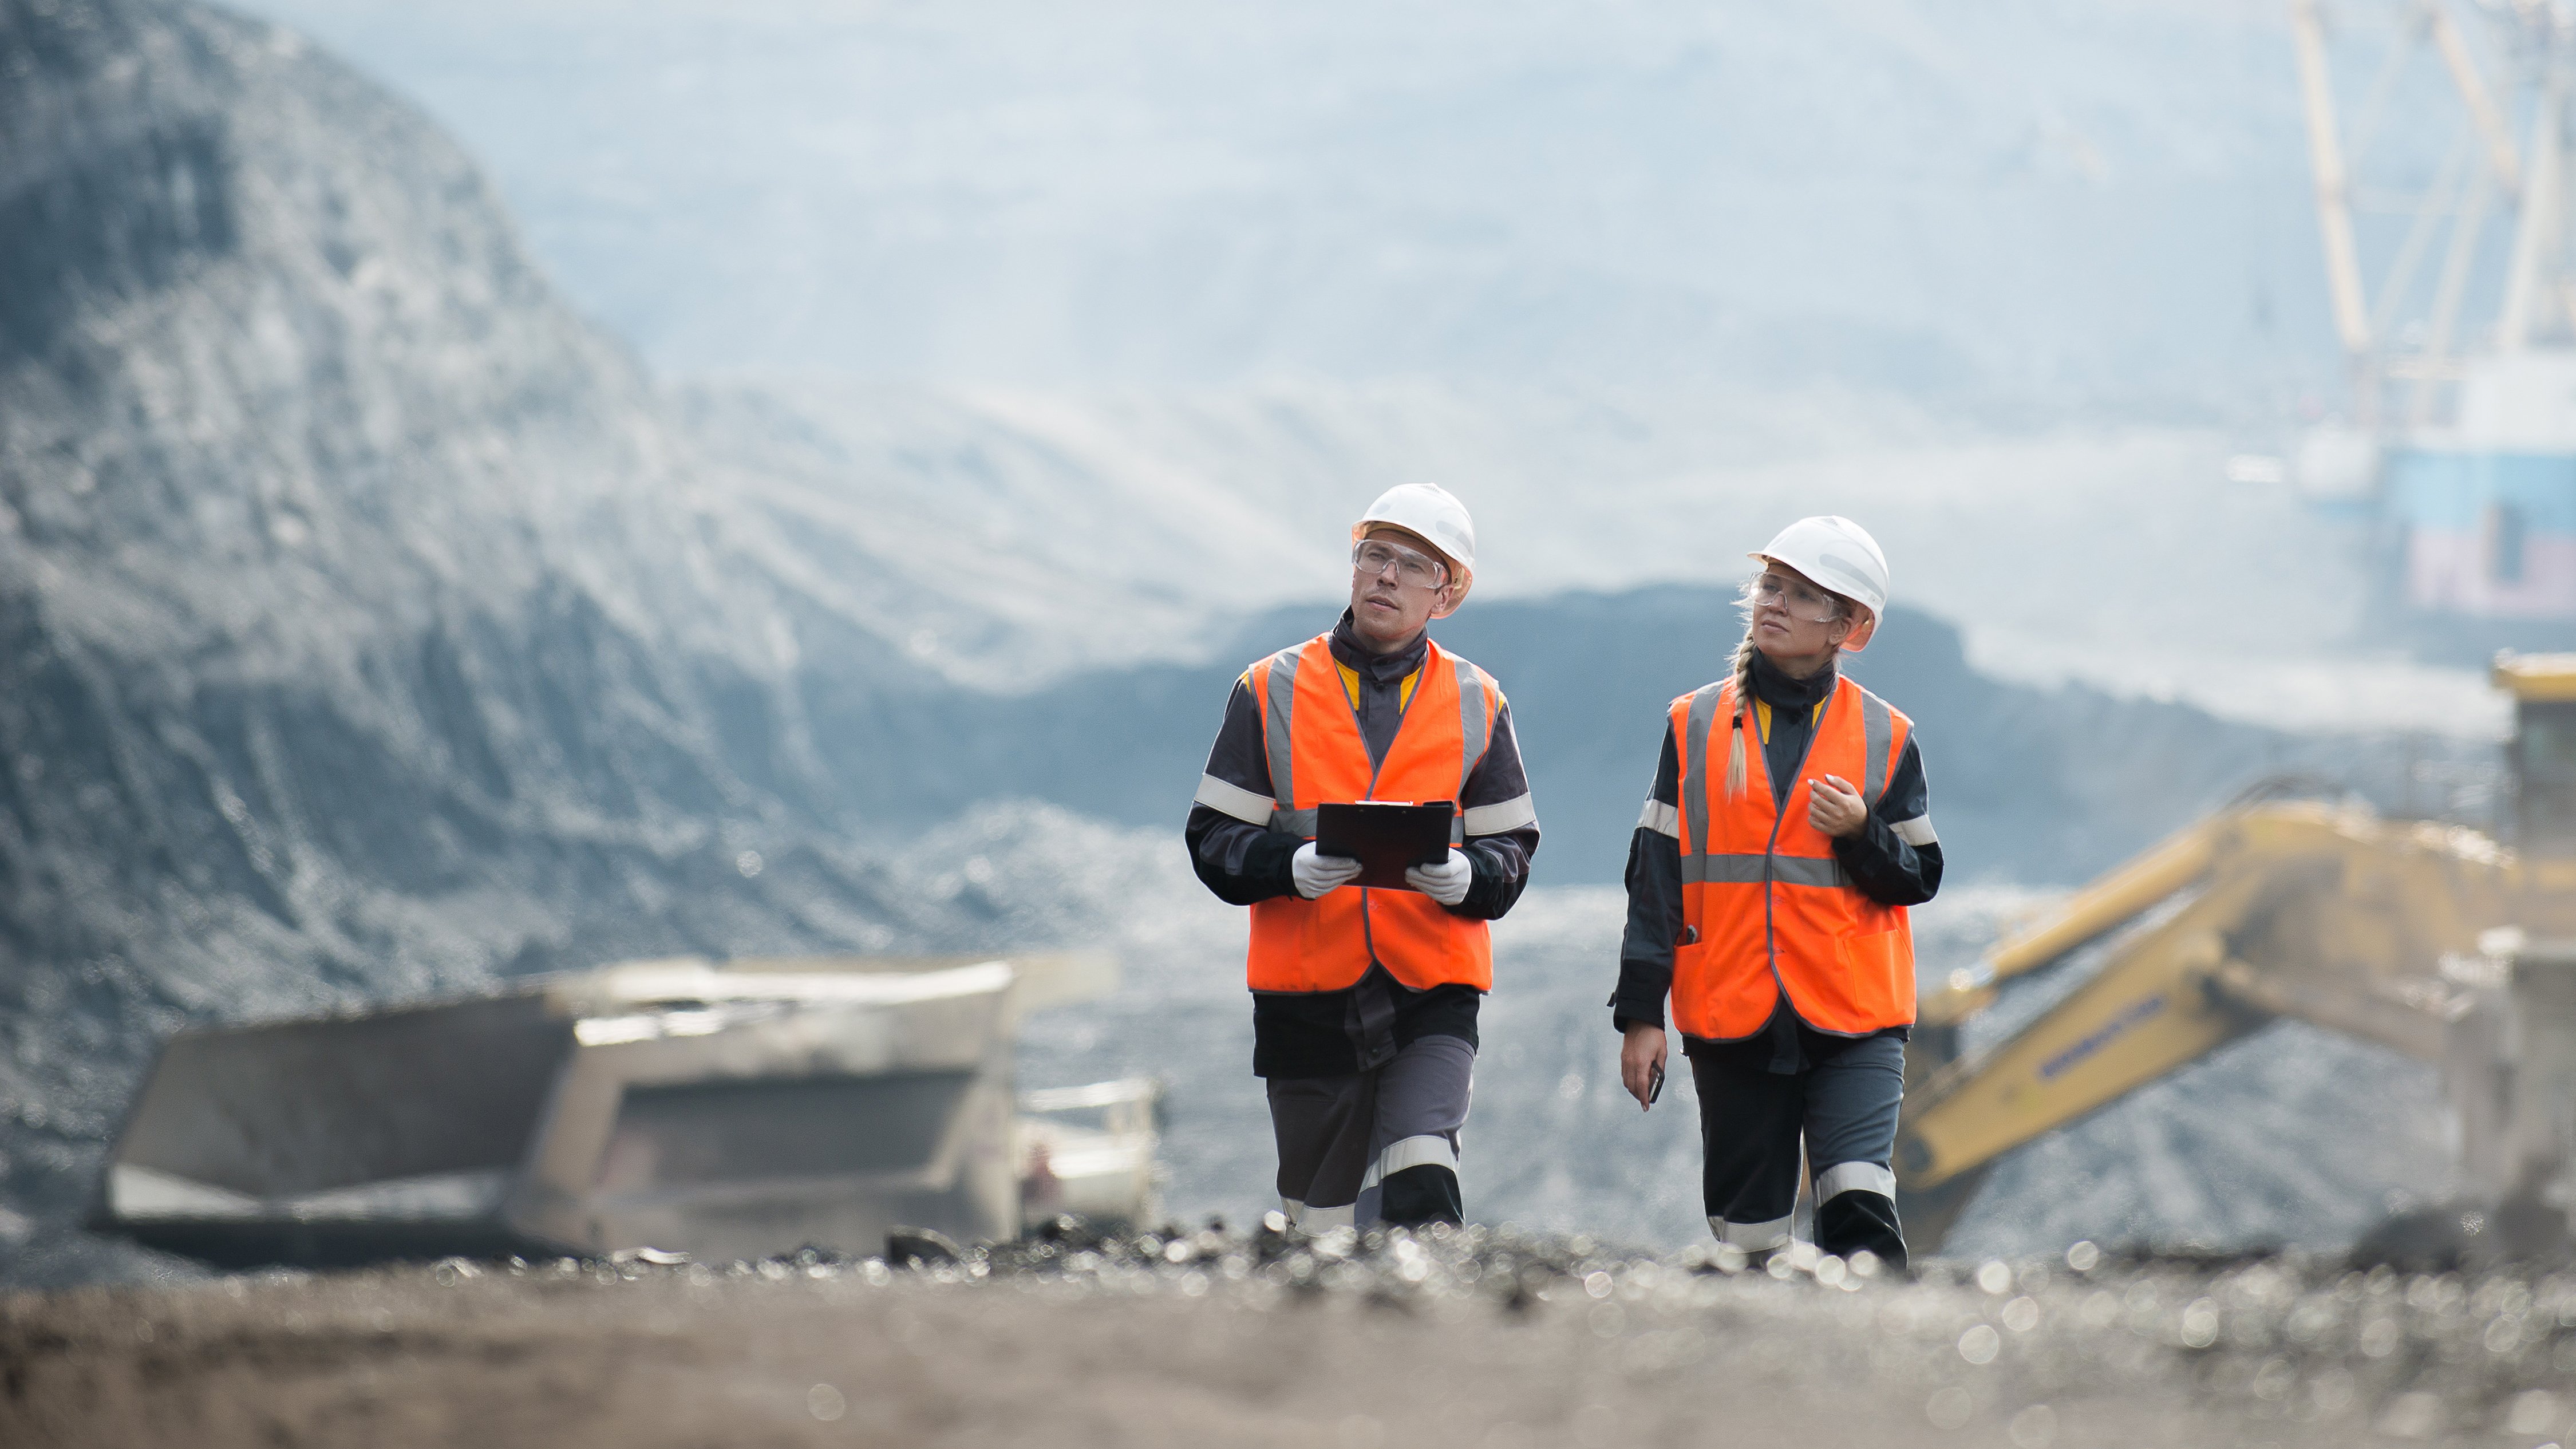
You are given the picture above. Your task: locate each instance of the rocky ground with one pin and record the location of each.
(1484, 1338)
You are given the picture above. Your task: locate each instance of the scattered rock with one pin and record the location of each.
(921, 1247)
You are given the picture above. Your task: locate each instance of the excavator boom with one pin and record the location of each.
(2267, 910)
(2147, 1013)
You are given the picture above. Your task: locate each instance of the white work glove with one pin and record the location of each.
(1318, 874)
(1446, 882)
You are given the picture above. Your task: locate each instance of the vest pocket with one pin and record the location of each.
(1695, 998)
(1878, 977)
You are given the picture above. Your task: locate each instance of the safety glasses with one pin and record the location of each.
(1372, 557)
(1799, 600)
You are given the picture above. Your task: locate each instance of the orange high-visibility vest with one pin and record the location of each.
(1316, 755)
(1766, 905)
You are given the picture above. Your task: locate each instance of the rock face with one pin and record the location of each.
(360, 631)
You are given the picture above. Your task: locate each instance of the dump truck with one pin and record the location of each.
(726, 1111)
(2446, 943)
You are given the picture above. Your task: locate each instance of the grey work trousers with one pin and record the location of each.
(1379, 1146)
(1842, 1105)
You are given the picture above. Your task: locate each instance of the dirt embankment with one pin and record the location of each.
(1473, 1339)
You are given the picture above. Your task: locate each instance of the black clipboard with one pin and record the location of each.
(1385, 837)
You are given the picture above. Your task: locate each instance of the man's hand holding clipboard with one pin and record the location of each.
(1445, 881)
(1399, 845)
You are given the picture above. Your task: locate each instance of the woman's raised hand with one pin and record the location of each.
(1834, 807)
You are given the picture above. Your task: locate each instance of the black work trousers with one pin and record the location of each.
(1375, 1147)
(1842, 1103)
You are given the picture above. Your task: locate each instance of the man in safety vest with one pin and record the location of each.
(1768, 879)
(1364, 1000)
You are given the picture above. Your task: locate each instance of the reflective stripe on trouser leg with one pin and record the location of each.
(1411, 1152)
(1751, 1237)
(1856, 1211)
(1843, 1107)
(1749, 1124)
(1422, 1100)
(1845, 1177)
(1314, 1220)
(1854, 1091)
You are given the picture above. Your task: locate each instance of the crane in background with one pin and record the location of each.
(2454, 296)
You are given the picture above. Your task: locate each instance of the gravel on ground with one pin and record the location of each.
(1471, 1337)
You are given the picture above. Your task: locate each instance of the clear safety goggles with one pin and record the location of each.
(1802, 601)
(1372, 557)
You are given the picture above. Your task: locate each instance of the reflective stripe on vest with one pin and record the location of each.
(1317, 754)
(1767, 906)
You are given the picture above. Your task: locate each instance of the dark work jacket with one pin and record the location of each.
(1882, 861)
(1330, 1033)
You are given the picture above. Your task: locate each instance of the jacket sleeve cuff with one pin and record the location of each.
(1888, 870)
(1268, 865)
(1490, 887)
(1640, 997)
(1874, 850)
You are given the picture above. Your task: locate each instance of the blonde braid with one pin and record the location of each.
(1743, 712)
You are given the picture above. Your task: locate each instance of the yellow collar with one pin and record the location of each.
(1403, 692)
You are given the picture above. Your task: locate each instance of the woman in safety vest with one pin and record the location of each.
(1768, 882)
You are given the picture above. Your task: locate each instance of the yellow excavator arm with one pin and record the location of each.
(2172, 866)
(2289, 908)
(2368, 926)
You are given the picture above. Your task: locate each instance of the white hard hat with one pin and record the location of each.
(1840, 555)
(1431, 511)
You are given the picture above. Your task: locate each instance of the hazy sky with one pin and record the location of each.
(1209, 251)
(2102, 203)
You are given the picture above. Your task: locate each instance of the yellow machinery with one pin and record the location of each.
(2415, 935)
